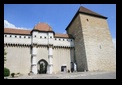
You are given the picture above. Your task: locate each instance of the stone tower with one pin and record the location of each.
(94, 49)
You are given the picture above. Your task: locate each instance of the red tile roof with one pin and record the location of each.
(86, 11)
(16, 31)
(62, 35)
(42, 27)
(21, 31)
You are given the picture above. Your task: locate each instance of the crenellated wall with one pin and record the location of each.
(17, 39)
(28, 50)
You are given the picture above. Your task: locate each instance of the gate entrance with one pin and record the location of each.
(42, 66)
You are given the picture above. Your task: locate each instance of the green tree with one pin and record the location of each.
(5, 55)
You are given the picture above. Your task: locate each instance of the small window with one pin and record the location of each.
(67, 39)
(71, 40)
(55, 38)
(5, 35)
(24, 36)
(10, 35)
(63, 39)
(59, 39)
(100, 46)
(45, 37)
(15, 36)
(40, 36)
(35, 35)
(87, 19)
(28, 37)
(63, 68)
(50, 36)
(19, 36)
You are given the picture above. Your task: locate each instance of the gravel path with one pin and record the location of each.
(76, 75)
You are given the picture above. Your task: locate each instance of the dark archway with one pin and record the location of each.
(42, 66)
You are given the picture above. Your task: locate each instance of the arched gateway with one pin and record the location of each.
(42, 66)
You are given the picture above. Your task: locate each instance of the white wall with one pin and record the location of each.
(42, 53)
(17, 40)
(50, 39)
(61, 56)
(18, 59)
(65, 42)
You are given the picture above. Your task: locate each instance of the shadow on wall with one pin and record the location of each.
(82, 65)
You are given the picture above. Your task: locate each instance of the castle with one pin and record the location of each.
(87, 46)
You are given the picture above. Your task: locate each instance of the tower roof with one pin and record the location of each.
(89, 12)
(86, 11)
(42, 27)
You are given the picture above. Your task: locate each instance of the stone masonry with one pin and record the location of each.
(94, 49)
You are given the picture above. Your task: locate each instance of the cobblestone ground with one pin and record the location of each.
(76, 75)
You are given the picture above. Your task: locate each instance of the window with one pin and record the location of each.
(40, 36)
(100, 46)
(63, 68)
(45, 37)
(55, 38)
(28, 37)
(15, 36)
(5, 35)
(24, 36)
(10, 35)
(71, 40)
(67, 39)
(59, 39)
(35, 35)
(87, 19)
(50, 36)
(19, 36)
(63, 39)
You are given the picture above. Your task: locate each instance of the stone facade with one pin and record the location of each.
(18, 59)
(76, 31)
(94, 49)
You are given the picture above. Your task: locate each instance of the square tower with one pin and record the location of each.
(94, 49)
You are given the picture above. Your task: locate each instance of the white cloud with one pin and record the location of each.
(114, 41)
(10, 25)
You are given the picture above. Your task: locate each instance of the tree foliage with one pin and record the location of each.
(6, 72)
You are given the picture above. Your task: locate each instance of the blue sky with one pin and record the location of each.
(58, 16)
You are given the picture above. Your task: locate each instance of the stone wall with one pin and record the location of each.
(18, 59)
(76, 31)
(94, 49)
(99, 47)
(61, 56)
(42, 53)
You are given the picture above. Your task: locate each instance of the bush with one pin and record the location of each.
(18, 73)
(6, 72)
(12, 74)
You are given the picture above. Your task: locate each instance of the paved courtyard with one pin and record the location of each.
(76, 75)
